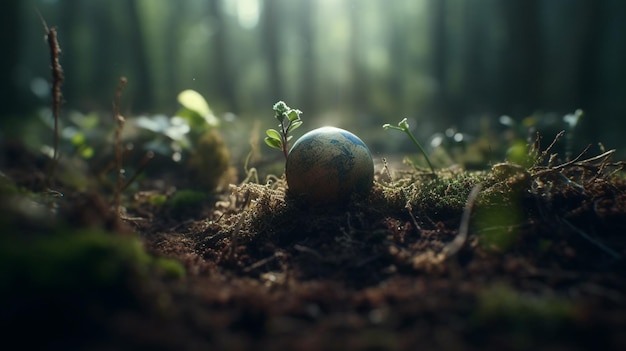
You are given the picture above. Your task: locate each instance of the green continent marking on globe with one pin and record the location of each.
(327, 165)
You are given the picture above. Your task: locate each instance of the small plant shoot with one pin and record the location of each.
(288, 121)
(403, 126)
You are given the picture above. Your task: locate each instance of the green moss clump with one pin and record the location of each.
(75, 261)
(209, 161)
(186, 201)
(443, 196)
(501, 207)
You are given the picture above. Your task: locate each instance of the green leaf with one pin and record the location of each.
(193, 118)
(294, 115)
(192, 100)
(294, 125)
(289, 137)
(274, 143)
(273, 133)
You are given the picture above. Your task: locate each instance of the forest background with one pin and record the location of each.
(445, 64)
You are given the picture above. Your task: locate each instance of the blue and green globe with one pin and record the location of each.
(326, 166)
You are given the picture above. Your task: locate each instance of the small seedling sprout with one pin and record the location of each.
(288, 120)
(571, 119)
(403, 126)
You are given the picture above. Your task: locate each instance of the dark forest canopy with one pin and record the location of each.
(443, 62)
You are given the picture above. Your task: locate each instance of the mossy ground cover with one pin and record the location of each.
(533, 259)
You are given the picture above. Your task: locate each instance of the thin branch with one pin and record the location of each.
(575, 161)
(543, 154)
(430, 258)
(602, 157)
(57, 97)
(119, 120)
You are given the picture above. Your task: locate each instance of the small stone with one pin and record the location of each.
(326, 166)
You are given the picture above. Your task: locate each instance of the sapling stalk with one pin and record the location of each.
(57, 98)
(403, 126)
(288, 120)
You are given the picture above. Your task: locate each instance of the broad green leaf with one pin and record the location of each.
(273, 133)
(295, 125)
(195, 120)
(276, 144)
(192, 100)
(294, 115)
(212, 120)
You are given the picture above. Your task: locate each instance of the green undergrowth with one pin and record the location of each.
(430, 199)
(544, 210)
(40, 250)
(76, 259)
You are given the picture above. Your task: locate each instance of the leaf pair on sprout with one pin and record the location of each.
(288, 120)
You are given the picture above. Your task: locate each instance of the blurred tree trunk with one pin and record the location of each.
(517, 91)
(474, 94)
(140, 65)
(105, 56)
(9, 42)
(438, 55)
(172, 37)
(590, 49)
(308, 82)
(591, 94)
(271, 46)
(399, 69)
(359, 79)
(222, 70)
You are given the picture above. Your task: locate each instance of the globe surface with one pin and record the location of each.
(327, 165)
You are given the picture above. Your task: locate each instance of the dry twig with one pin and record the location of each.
(57, 97)
(430, 258)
